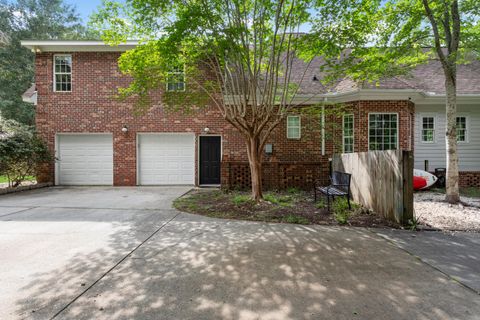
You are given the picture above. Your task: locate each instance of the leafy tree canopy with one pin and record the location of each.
(24, 20)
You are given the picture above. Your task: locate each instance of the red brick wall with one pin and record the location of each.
(92, 107)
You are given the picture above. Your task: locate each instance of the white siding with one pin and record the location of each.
(469, 152)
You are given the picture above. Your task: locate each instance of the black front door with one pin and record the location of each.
(210, 147)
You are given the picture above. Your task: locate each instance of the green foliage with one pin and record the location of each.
(241, 199)
(284, 201)
(292, 218)
(397, 36)
(293, 190)
(21, 152)
(320, 204)
(25, 20)
(340, 210)
(413, 223)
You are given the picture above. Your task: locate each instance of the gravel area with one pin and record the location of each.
(433, 211)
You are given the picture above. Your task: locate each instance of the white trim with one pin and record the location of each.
(184, 80)
(353, 131)
(198, 158)
(398, 128)
(76, 46)
(428, 115)
(55, 73)
(299, 127)
(323, 128)
(467, 127)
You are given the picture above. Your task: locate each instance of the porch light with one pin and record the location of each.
(206, 130)
(125, 129)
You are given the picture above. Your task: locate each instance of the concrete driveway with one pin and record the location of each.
(123, 253)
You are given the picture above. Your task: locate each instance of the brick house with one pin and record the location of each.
(99, 141)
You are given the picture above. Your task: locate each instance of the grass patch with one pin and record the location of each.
(471, 192)
(281, 200)
(292, 218)
(241, 199)
(3, 179)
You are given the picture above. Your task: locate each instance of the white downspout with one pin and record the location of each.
(323, 126)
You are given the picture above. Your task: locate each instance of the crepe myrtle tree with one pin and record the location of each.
(398, 36)
(237, 55)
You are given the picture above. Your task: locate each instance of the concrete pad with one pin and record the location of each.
(148, 198)
(5, 211)
(200, 268)
(457, 254)
(53, 251)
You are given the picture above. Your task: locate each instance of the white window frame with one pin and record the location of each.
(426, 115)
(170, 73)
(398, 128)
(55, 73)
(353, 132)
(299, 127)
(467, 127)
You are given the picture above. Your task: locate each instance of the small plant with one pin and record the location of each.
(341, 211)
(293, 190)
(241, 199)
(284, 201)
(414, 223)
(320, 204)
(291, 218)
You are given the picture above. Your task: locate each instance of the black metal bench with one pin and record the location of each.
(339, 187)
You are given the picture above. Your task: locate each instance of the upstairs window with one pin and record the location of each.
(293, 127)
(348, 133)
(176, 79)
(383, 131)
(428, 129)
(62, 73)
(462, 129)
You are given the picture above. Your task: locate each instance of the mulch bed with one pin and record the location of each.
(294, 207)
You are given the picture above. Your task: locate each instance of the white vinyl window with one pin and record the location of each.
(462, 129)
(428, 129)
(348, 138)
(293, 127)
(176, 79)
(383, 131)
(62, 70)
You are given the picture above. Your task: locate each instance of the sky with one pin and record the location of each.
(85, 7)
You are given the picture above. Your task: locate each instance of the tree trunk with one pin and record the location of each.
(452, 192)
(255, 161)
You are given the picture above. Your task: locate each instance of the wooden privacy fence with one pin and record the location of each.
(381, 181)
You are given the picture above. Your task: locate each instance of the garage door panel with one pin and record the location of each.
(85, 159)
(166, 159)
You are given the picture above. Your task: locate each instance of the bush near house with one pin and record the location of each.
(21, 152)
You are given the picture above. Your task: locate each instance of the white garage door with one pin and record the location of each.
(165, 159)
(85, 159)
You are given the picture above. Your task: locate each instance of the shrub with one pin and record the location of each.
(21, 152)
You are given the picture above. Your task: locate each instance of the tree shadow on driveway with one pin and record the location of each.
(202, 268)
